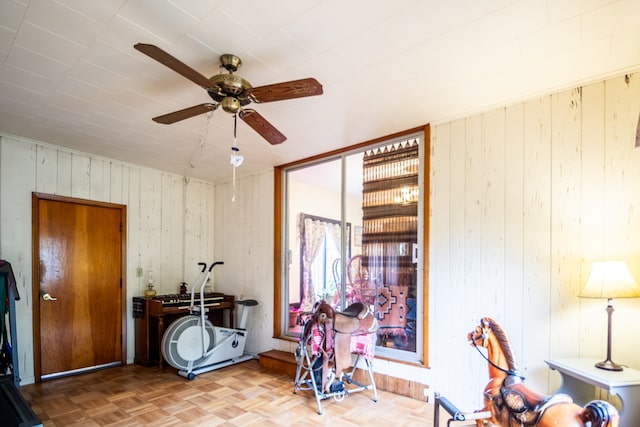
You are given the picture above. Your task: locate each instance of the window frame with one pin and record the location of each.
(280, 233)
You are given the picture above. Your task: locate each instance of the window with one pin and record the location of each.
(349, 228)
(320, 257)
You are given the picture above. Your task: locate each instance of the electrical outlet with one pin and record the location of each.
(139, 272)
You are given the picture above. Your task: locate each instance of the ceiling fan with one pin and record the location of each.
(232, 92)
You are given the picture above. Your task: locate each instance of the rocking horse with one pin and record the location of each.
(512, 404)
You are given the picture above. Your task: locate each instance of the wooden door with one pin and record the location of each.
(79, 311)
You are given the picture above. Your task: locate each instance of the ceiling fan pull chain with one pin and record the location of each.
(236, 158)
(233, 196)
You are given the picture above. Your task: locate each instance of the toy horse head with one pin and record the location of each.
(479, 337)
(322, 311)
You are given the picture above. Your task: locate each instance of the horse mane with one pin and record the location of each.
(501, 336)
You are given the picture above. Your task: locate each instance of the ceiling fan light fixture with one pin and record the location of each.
(230, 104)
(236, 158)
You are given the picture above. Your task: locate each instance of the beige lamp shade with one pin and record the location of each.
(610, 279)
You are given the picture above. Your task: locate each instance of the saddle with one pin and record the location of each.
(340, 326)
(357, 319)
(524, 406)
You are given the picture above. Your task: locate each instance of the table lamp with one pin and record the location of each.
(610, 279)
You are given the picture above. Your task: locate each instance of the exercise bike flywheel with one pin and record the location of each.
(182, 342)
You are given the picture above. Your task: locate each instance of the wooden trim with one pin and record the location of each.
(35, 269)
(35, 284)
(425, 244)
(278, 203)
(351, 147)
(277, 251)
(123, 281)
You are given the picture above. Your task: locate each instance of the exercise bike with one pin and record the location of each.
(193, 345)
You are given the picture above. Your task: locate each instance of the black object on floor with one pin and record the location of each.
(14, 410)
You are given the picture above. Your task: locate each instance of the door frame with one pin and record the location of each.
(35, 236)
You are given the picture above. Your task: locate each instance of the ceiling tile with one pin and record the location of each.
(57, 19)
(82, 90)
(223, 34)
(64, 101)
(196, 8)
(107, 57)
(562, 10)
(14, 107)
(563, 36)
(48, 44)
(264, 17)
(6, 40)
(327, 67)
(317, 30)
(280, 52)
(11, 15)
(36, 63)
(613, 18)
(42, 129)
(25, 78)
(161, 19)
(101, 11)
(97, 76)
(123, 34)
(22, 94)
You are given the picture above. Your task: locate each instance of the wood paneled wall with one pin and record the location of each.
(524, 198)
(170, 221)
(244, 241)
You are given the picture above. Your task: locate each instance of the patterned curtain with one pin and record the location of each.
(390, 224)
(312, 232)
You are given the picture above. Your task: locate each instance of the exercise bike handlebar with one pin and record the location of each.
(200, 283)
(214, 264)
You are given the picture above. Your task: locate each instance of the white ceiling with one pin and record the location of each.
(69, 75)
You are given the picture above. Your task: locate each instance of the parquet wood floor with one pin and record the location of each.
(240, 395)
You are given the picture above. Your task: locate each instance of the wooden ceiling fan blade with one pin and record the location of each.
(186, 113)
(166, 59)
(286, 90)
(262, 126)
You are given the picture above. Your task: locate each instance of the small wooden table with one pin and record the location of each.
(580, 377)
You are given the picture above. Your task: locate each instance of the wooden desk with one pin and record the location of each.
(154, 315)
(580, 377)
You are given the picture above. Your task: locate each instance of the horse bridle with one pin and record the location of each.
(485, 343)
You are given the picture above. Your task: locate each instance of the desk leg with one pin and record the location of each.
(580, 392)
(160, 333)
(630, 413)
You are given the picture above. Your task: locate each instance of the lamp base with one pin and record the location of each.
(609, 365)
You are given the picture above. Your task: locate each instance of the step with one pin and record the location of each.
(285, 363)
(279, 361)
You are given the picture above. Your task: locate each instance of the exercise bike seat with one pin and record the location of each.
(247, 302)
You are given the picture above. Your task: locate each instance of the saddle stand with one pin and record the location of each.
(325, 342)
(457, 416)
